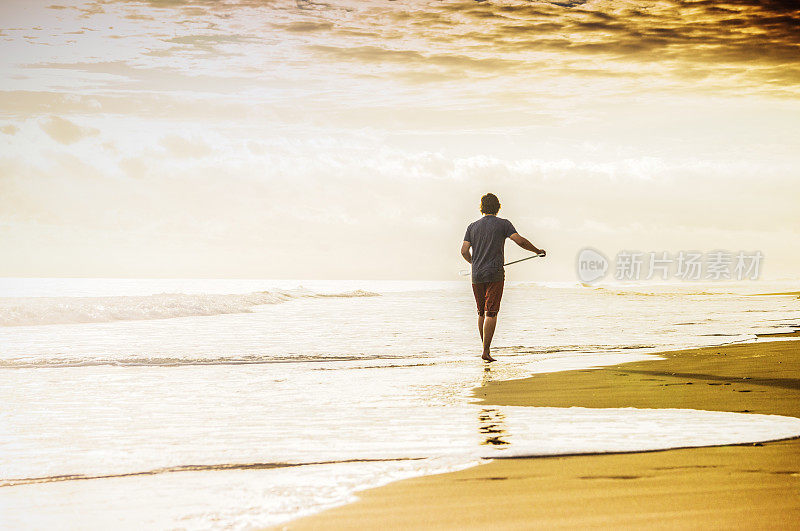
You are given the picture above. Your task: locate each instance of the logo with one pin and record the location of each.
(591, 265)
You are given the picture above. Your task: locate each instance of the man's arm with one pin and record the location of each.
(525, 244)
(465, 251)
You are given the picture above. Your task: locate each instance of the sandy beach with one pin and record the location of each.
(755, 486)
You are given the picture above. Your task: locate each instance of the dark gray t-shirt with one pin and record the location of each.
(488, 238)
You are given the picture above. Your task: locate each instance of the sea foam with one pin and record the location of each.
(26, 311)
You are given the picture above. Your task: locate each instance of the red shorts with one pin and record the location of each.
(487, 296)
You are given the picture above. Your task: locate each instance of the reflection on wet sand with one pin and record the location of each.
(492, 425)
(492, 420)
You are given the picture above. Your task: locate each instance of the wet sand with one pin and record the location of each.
(781, 334)
(735, 486)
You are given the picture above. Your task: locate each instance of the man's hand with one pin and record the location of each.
(525, 244)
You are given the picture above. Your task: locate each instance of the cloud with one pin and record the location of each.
(248, 215)
(739, 44)
(306, 26)
(741, 41)
(375, 117)
(412, 58)
(123, 75)
(686, 30)
(725, 38)
(210, 43)
(65, 132)
(178, 146)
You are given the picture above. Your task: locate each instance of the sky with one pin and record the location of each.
(353, 139)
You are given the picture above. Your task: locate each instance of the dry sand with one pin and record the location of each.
(723, 487)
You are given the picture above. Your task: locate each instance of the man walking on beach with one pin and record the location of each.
(487, 238)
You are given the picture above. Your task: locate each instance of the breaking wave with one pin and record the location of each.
(172, 361)
(26, 311)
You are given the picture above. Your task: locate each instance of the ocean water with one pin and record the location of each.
(236, 404)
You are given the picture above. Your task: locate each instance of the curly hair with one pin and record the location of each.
(490, 204)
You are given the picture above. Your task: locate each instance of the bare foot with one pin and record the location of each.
(488, 358)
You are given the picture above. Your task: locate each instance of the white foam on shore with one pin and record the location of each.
(247, 499)
(544, 431)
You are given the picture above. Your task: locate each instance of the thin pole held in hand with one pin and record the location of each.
(522, 259)
(465, 272)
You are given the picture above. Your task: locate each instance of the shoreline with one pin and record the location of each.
(728, 485)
